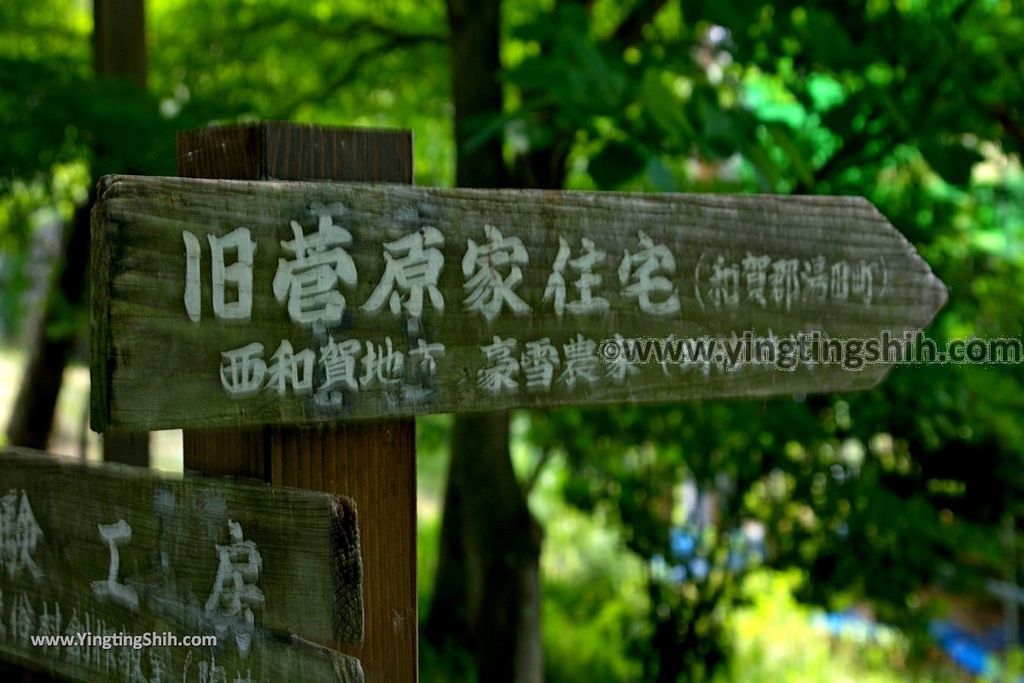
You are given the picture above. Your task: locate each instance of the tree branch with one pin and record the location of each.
(587, 5)
(1010, 124)
(538, 468)
(371, 27)
(354, 66)
(630, 31)
(362, 26)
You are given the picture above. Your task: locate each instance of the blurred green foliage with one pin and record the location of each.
(595, 607)
(916, 105)
(808, 654)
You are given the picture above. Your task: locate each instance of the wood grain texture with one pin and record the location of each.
(171, 537)
(138, 236)
(297, 661)
(374, 462)
(278, 150)
(119, 40)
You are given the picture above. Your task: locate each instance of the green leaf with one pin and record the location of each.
(665, 109)
(788, 146)
(615, 164)
(951, 161)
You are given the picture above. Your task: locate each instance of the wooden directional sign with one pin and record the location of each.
(124, 565)
(227, 303)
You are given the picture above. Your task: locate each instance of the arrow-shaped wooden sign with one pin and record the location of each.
(227, 303)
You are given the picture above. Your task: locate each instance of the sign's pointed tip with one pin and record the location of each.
(934, 292)
(943, 291)
(936, 297)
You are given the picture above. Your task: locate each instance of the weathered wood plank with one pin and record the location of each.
(90, 662)
(577, 266)
(117, 549)
(372, 461)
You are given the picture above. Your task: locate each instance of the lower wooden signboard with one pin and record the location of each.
(113, 573)
(274, 662)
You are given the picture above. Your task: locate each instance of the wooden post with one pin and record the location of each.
(119, 40)
(373, 462)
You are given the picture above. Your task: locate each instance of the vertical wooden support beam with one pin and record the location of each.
(119, 51)
(372, 462)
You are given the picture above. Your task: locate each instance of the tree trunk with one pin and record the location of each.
(475, 39)
(487, 590)
(34, 406)
(119, 51)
